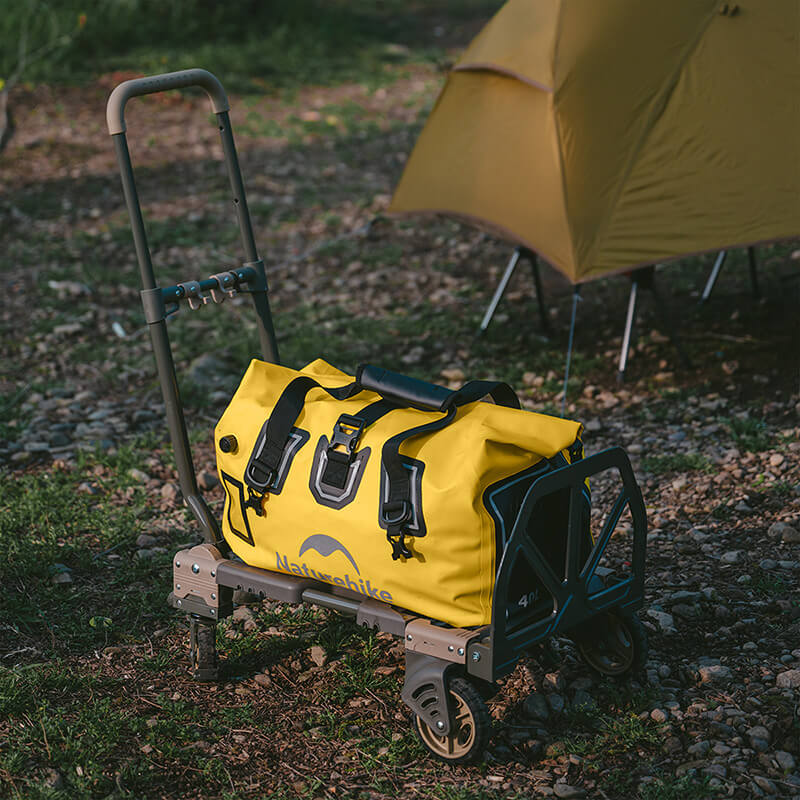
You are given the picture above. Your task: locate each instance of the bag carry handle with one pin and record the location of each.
(430, 396)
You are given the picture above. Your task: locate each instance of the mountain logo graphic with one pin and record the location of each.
(326, 546)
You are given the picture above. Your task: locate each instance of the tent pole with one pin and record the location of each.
(501, 287)
(626, 336)
(712, 278)
(537, 282)
(576, 296)
(751, 257)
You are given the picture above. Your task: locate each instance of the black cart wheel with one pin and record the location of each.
(617, 646)
(470, 735)
(203, 649)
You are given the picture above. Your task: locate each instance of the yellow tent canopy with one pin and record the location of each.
(608, 135)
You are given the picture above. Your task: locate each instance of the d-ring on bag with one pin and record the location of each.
(390, 487)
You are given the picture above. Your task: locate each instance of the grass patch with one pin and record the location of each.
(48, 526)
(767, 585)
(750, 434)
(281, 44)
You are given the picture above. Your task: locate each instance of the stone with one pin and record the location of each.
(556, 703)
(767, 564)
(262, 679)
(665, 621)
(567, 792)
(206, 371)
(785, 532)
(61, 578)
(765, 784)
(789, 679)
(786, 761)
(554, 681)
(536, 707)
(144, 554)
(759, 737)
(699, 749)
(659, 715)
(207, 480)
(319, 656)
(145, 540)
(715, 673)
(138, 475)
(731, 557)
(170, 492)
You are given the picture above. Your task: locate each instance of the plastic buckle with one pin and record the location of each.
(398, 543)
(346, 433)
(255, 501)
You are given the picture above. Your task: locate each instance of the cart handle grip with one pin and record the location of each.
(115, 109)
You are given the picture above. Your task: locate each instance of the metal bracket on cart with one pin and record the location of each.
(159, 303)
(195, 589)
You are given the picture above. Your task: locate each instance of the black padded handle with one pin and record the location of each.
(115, 109)
(402, 389)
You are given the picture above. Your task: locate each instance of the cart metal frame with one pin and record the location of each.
(205, 576)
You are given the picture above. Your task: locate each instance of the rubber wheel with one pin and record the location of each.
(470, 735)
(620, 646)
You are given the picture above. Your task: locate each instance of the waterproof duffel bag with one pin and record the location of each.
(384, 485)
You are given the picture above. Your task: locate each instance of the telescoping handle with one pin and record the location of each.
(115, 109)
(251, 272)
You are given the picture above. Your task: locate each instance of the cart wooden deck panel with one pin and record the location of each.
(461, 526)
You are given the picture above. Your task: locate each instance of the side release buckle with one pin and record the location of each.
(346, 433)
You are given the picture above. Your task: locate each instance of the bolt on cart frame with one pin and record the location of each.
(445, 666)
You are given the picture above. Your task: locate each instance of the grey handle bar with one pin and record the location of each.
(115, 109)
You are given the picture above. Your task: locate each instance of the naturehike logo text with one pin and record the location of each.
(326, 546)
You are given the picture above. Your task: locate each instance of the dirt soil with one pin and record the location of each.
(308, 706)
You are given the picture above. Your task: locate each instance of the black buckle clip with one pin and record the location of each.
(255, 501)
(398, 543)
(346, 433)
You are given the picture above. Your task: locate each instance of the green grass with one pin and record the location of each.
(281, 44)
(677, 462)
(65, 527)
(749, 434)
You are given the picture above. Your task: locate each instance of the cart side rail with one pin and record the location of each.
(575, 596)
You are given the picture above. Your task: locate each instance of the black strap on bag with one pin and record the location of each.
(397, 508)
(262, 469)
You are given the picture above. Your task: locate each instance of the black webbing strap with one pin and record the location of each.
(262, 470)
(338, 463)
(397, 509)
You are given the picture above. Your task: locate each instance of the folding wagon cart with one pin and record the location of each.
(548, 576)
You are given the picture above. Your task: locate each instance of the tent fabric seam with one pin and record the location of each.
(660, 106)
(562, 172)
(487, 66)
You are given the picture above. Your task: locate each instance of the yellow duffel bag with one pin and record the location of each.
(390, 487)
